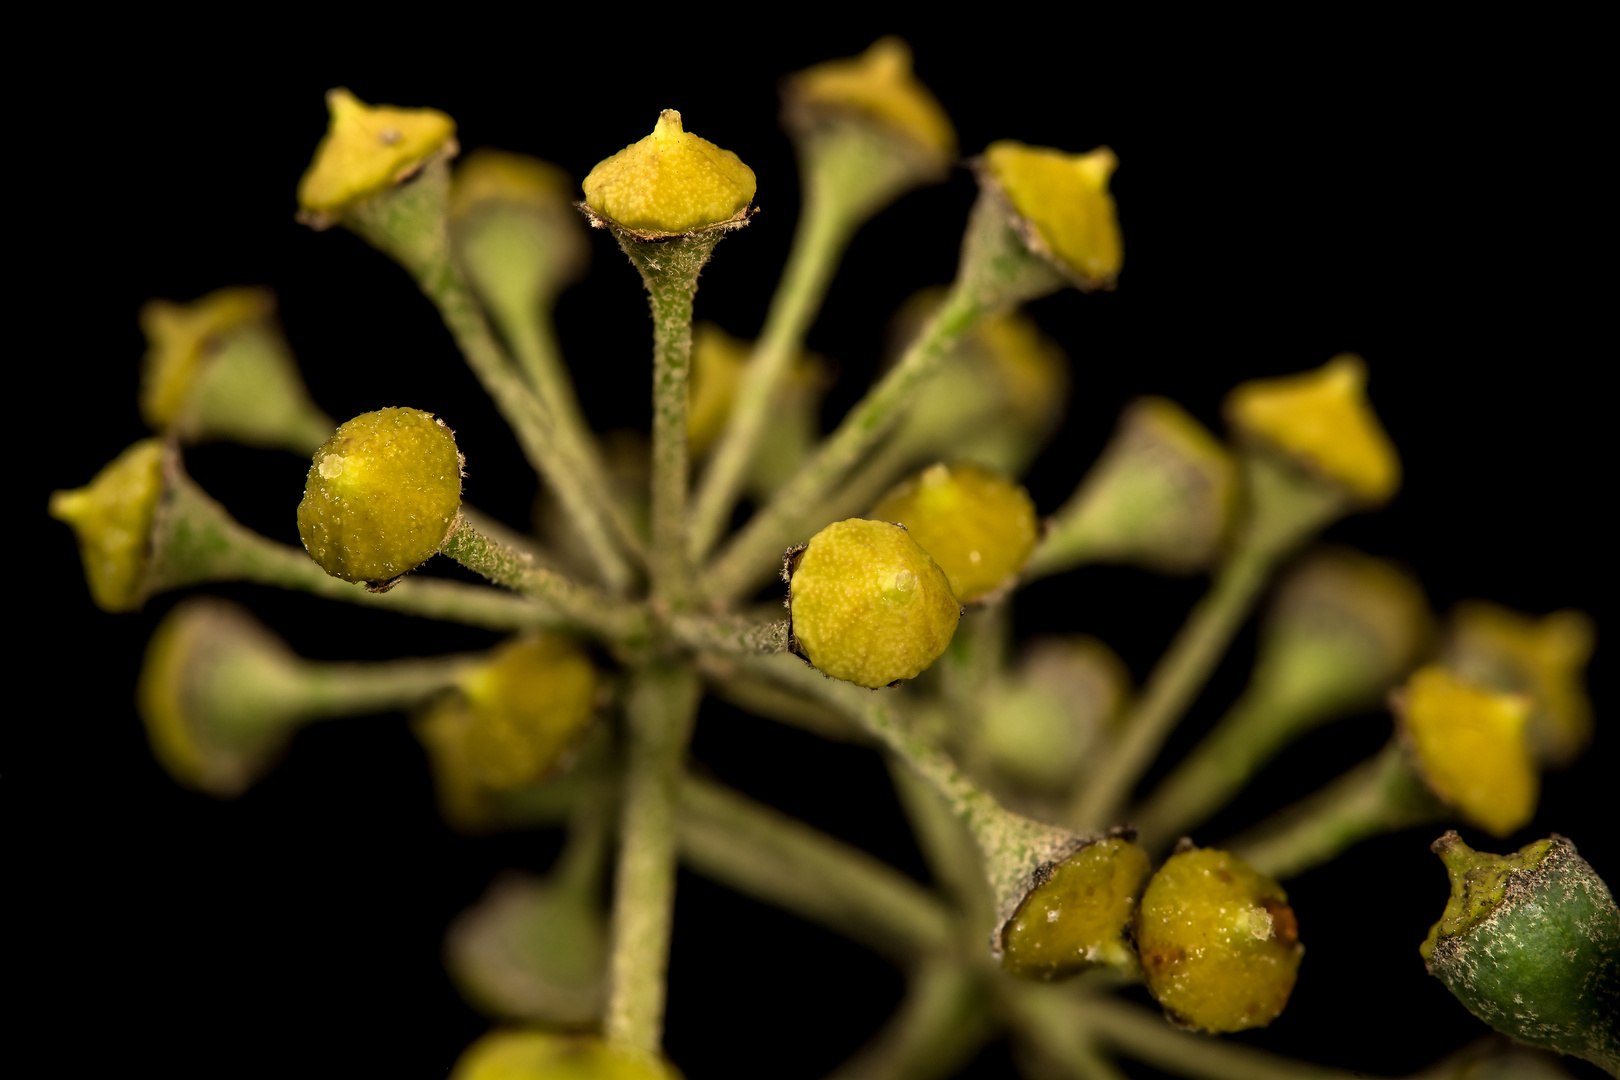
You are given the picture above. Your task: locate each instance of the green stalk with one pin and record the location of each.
(194, 540)
(612, 618)
(730, 634)
(1381, 795)
(661, 707)
(765, 854)
(1286, 507)
(355, 689)
(834, 207)
(409, 223)
(765, 699)
(943, 1021)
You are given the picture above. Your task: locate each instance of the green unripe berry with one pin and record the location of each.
(1078, 917)
(979, 527)
(381, 495)
(1219, 943)
(1530, 943)
(112, 517)
(869, 605)
(547, 1055)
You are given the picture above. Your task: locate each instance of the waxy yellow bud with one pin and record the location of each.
(979, 527)
(669, 183)
(1219, 944)
(368, 149)
(1067, 213)
(112, 518)
(525, 709)
(1321, 420)
(876, 87)
(1520, 654)
(1470, 746)
(381, 495)
(1078, 918)
(547, 1055)
(869, 605)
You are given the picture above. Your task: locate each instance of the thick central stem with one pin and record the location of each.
(662, 704)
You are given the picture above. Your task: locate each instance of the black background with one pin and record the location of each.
(1425, 201)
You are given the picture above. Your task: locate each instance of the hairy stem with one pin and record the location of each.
(1381, 795)
(729, 634)
(660, 711)
(612, 618)
(767, 855)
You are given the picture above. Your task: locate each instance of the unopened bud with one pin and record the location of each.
(515, 1054)
(112, 518)
(368, 149)
(670, 183)
(1062, 207)
(977, 526)
(1038, 727)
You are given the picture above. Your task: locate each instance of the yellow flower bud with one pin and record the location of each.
(112, 518)
(525, 709)
(1078, 917)
(1219, 944)
(1520, 654)
(718, 360)
(1065, 206)
(547, 1055)
(877, 87)
(1321, 420)
(366, 150)
(671, 182)
(488, 176)
(869, 605)
(1471, 747)
(381, 495)
(977, 526)
(178, 339)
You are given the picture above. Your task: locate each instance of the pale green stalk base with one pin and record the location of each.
(1381, 795)
(408, 222)
(943, 1021)
(660, 710)
(950, 851)
(765, 854)
(355, 689)
(996, 272)
(1286, 507)
(195, 541)
(610, 617)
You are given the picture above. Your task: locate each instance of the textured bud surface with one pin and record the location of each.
(366, 150)
(381, 494)
(545, 1055)
(1519, 654)
(112, 518)
(1530, 943)
(869, 605)
(1322, 420)
(1219, 943)
(977, 526)
(1078, 917)
(670, 182)
(1065, 198)
(526, 708)
(1471, 748)
(879, 86)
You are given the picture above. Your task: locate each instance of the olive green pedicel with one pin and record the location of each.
(1530, 943)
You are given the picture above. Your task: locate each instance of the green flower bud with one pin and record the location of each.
(670, 183)
(1530, 944)
(514, 718)
(1062, 207)
(1493, 647)
(547, 1055)
(1219, 944)
(381, 495)
(218, 368)
(1038, 728)
(1079, 916)
(1470, 747)
(368, 149)
(868, 605)
(531, 949)
(1321, 421)
(1163, 495)
(877, 89)
(978, 527)
(112, 518)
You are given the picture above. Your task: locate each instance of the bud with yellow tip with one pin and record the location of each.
(1540, 657)
(977, 526)
(1321, 422)
(1061, 207)
(112, 518)
(671, 183)
(368, 149)
(516, 1054)
(878, 88)
(1471, 747)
